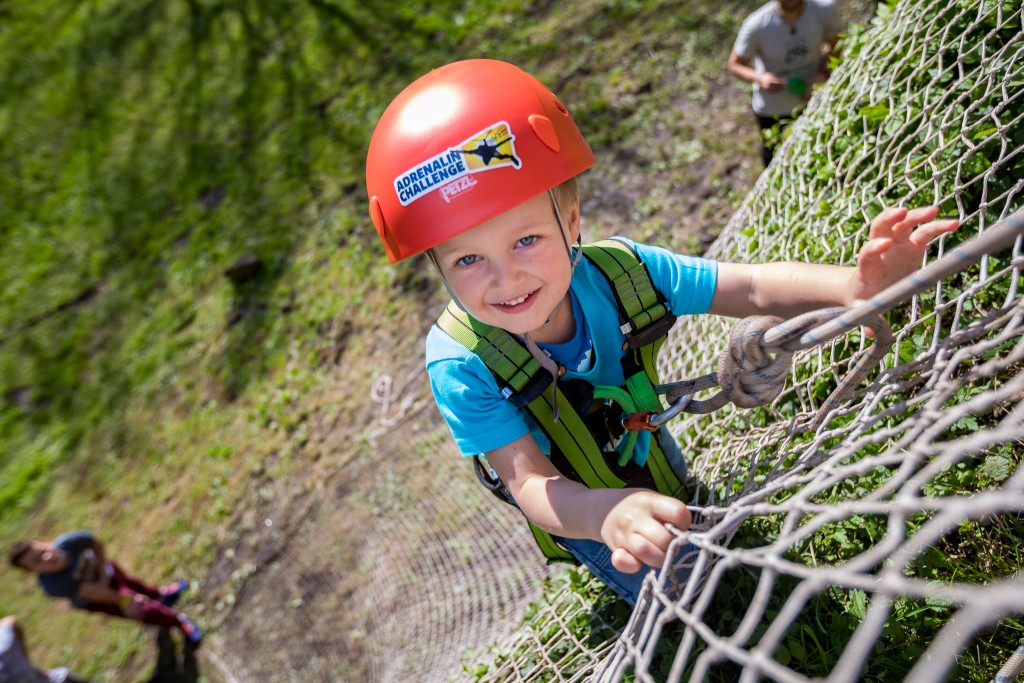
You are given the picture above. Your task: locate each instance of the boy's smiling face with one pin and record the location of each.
(513, 270)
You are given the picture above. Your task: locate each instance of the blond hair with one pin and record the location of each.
(567, 194)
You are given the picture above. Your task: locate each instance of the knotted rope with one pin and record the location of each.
(752, 370)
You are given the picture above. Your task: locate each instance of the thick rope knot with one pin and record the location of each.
(748, 373)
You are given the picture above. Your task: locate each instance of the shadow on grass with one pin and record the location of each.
(170, 668)
(150, 109)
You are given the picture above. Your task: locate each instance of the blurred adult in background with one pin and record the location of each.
(15, 666)
(783, 49)
(75, 566)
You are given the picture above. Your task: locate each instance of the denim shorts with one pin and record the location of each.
(597, 557)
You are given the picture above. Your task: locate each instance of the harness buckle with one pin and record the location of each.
(654, 331)
(533, 388)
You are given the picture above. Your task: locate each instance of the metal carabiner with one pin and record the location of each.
(651, 420)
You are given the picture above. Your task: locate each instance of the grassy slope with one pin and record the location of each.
(147, 145)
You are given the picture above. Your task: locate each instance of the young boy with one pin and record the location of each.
(75, 566)
(475, 164)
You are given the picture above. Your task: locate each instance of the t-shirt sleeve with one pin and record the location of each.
(467, 395)
(688, 282)
(75, 541)
(745, 45)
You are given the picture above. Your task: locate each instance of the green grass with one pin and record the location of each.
(144, 146)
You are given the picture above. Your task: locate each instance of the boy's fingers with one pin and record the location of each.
(900, 222)
(625, 562)
(929, 231)
(884, 222)
(650, 544)
(876, 246)
(646, 551)
(920, 215)
(870, 266)
(902, 231)
(647, 541)
(656, 534)
(672, 511)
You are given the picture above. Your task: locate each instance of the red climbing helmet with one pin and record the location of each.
(461, 145)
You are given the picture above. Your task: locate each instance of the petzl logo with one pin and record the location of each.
(457, 187)
(491, 148)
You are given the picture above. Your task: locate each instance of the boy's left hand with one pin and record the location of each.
(896, 245)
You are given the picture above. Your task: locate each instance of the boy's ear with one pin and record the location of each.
(574, 222)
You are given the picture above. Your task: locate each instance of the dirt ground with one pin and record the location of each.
(328, 519)
(326, 618)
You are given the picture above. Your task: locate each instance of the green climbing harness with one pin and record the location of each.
(589, 443)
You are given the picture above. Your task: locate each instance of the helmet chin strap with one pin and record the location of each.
(573, 260)
(444, 280)
(543, 358)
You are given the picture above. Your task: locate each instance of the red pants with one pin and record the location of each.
(152, 611)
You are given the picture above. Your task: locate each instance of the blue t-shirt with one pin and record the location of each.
(77, 546)
(481, 419)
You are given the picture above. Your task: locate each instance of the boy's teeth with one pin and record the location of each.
(515, 302)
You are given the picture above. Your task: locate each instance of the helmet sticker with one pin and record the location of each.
(491, 148)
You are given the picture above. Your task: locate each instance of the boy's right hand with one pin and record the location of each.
(771, 82)
(132, 607)
(635, 528)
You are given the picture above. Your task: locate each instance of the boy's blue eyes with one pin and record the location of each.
(470, 259)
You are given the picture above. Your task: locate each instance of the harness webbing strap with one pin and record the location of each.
(647, 356)
(643, 393)
(574, 440)
(666, 481)
(502, 354)
(548, 546)
(639, 302)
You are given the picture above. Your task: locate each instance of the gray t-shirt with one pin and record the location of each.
(790, 51)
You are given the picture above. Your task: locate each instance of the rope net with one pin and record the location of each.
(883, 544)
